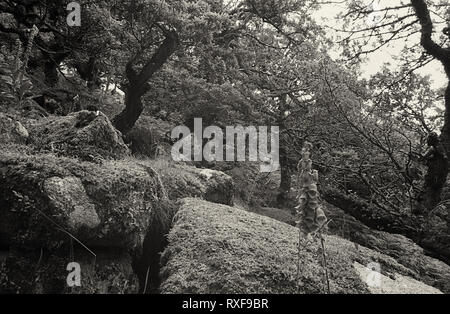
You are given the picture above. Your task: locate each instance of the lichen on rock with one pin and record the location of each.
(183, 181)
(59, 204)
(215, 248)
(68, 196)
(82, 134)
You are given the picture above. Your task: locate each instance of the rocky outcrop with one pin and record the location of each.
(11, 130)
(219, 249)
(431, 231)
(436, 233)
(82, 134)
(398, 284)
(184, 181)
(425, 268)
(150, 137)
(54, 210)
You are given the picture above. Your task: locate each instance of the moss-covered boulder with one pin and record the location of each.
(150, 137)
(11, 130)
(220, 249)
(427, 269)
(436, 232)
(51, 207)
(82, 134)
(183, 181)
(46, 272)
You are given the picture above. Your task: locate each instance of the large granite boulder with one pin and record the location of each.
(215, 248)
(183, 181)
(54, 210)
(427, 269)
(82, 134)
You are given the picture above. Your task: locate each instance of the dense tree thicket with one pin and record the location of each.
(250, 62)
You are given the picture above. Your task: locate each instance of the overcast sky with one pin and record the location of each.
(327, 16)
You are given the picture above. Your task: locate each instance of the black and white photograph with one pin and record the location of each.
(224, 155)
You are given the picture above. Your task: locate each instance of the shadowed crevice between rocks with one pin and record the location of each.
(147, 265)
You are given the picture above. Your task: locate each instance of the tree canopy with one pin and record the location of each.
(252, 62)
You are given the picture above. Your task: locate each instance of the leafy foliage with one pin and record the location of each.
(14, 79)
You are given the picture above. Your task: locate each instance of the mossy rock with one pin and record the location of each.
(52, 204)
(108, 204)
(183, 181)
(108, 273)
(220, 249)
(436, 233)
(425, 268)
(82, 134)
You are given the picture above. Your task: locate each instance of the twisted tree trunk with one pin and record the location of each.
(137, 83)
(443, 55)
